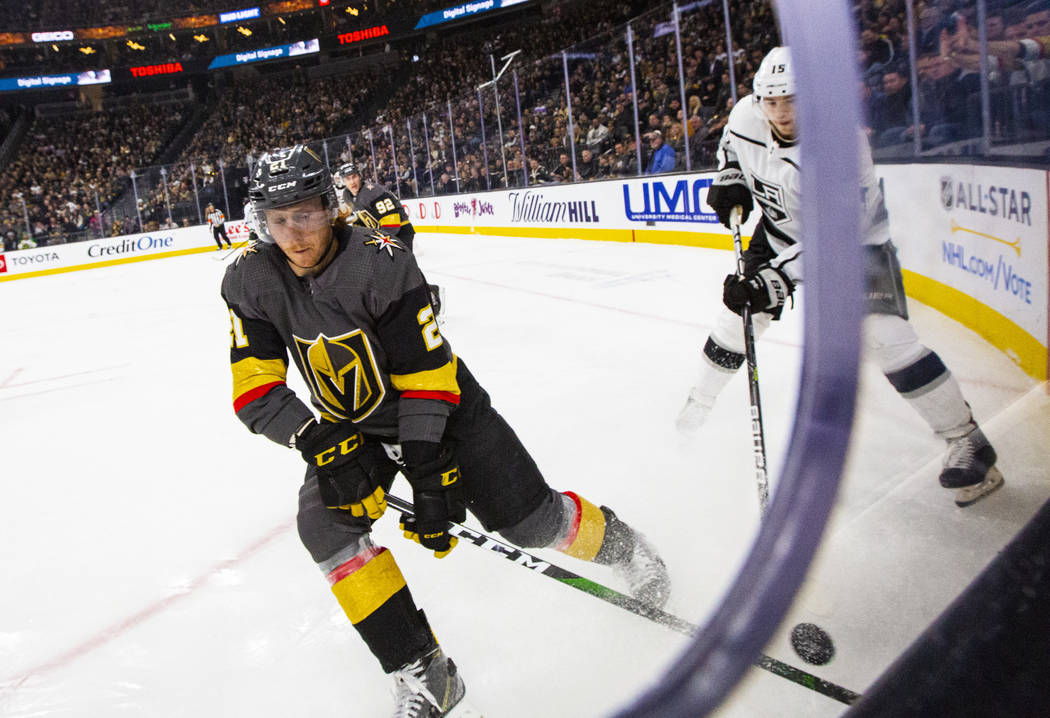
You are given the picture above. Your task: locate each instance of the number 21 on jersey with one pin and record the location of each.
(238, 339)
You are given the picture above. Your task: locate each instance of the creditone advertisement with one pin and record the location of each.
(41, 261)
(972, 241)
(668, 209)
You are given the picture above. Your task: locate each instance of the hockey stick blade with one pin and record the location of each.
(628, 603)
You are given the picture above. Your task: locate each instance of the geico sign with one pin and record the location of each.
(56, 36)
(130, 245)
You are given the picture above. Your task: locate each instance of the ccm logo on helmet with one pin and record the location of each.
(283, 185)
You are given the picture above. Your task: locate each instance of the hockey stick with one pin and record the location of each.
(758, 433)
(639, 608)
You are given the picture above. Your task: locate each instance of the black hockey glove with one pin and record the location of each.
(346, 474)
(766, 290)
(436, 495)
(728, 190)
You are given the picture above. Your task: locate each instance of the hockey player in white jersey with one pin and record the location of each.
(759, 162)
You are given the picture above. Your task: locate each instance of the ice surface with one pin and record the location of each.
(151, 565)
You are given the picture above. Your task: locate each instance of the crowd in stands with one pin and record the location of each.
(602, 130)
(376, 115)
(948, 90)
(68, 168)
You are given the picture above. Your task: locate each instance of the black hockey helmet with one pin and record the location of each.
(348, 168)
(287, 176)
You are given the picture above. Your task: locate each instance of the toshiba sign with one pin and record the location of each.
(348, 38)
(164, 68)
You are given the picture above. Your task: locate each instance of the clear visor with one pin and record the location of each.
(282, 223)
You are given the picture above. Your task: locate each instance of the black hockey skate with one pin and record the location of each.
(635, 560)
(430, 687)
(969, 467)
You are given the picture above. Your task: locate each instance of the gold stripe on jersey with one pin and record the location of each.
(366, 587)
(442, 379)
(390, 220)
(251, 373)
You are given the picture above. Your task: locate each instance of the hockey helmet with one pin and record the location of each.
(348, 168)
(776, 75)
(287, 176)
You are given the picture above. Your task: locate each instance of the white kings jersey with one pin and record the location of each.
(772, 172)
(249, 217)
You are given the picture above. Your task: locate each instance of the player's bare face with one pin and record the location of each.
(303, 231)
(780, 111)
(353, 183)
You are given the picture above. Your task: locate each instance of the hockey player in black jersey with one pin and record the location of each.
(759, 163)
(350, 306)
(366, 205)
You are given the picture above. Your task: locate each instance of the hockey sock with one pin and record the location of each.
(934, 393)
(583, 531)
(373, 593)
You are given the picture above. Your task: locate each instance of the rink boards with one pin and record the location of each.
(972, 238)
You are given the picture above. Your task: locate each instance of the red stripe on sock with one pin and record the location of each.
(575, 529)
(343, 570)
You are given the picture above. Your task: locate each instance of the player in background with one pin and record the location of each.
(758, 162)
(249, 220)
(216, 220)
(351, 307)
(366, 205)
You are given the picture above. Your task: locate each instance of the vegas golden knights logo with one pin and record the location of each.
(342, 373)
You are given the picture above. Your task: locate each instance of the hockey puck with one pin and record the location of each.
(812, 644)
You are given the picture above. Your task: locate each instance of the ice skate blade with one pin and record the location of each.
(972, 494)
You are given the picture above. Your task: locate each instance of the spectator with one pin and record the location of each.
(597, 135)
(587, 169)
(537, 173)
(662, 158)
(891, 111)
(563, 172)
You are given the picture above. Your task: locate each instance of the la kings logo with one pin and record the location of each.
(342, 373)
(771, 197)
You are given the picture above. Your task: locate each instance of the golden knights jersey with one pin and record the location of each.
(374, 207)
(362, 334)
(772, 171)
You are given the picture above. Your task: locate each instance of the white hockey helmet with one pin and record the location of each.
(776, 75)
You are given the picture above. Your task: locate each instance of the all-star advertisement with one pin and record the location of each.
(982, 232)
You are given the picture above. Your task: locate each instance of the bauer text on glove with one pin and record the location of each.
(766, 291)
(729, 190)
